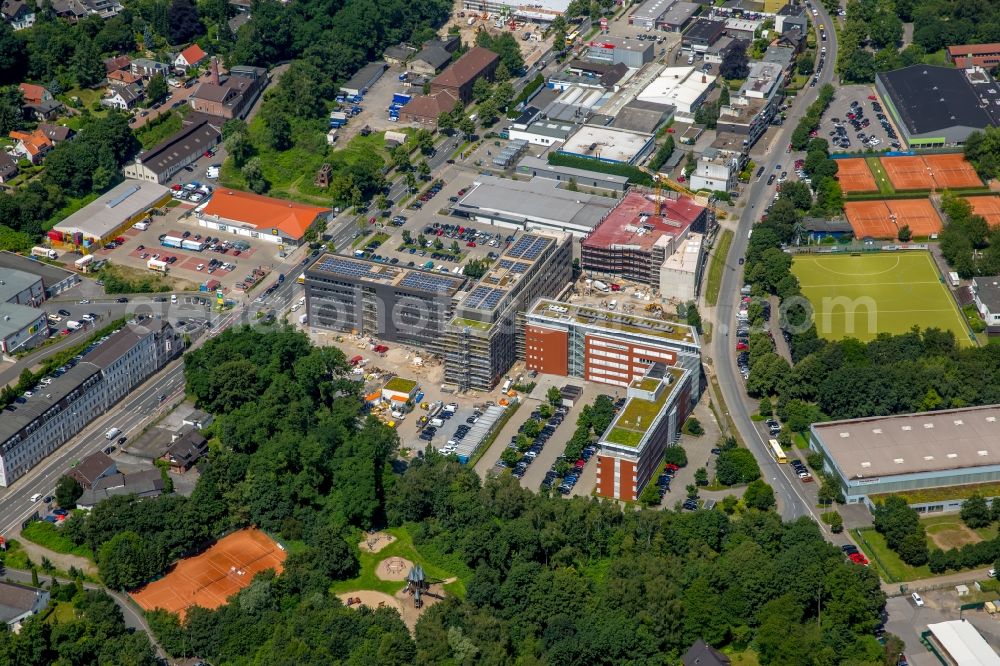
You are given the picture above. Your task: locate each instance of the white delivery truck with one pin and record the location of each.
(141, 226)
(953, 276)
(39, 251)
(111, 434)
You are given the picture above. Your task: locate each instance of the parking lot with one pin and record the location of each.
(866, 130)
(240, 258)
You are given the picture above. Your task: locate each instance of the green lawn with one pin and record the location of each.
(62, 613)
(881, 177)
(291, 173)
(948, 531)
(886, 562)
(437, 566)
(156, 131)
(862, 296)
(717, 266)
(49, 536)
(15, 557)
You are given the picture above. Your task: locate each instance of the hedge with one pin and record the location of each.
(529, 90)
(635, 176)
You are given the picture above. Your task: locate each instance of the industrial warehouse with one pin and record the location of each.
(909, 452)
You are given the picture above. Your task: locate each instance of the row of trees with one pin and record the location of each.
(968, 243)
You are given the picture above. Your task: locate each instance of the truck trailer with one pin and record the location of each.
(39, 251)
(156, 265)
(172, 241)
(189, 244)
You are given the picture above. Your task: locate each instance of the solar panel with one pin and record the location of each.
(427, 282)
(345, 267)
(536, 248)
(522, 244)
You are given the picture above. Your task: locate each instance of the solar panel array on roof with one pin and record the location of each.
(484, 298)
(520, 246)
(536, 249)
(513, 266)
(343, 267)
(427, 282)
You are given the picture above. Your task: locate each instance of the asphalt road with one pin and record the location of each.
(792, 503)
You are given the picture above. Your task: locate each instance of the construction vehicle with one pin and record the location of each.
(660, 180)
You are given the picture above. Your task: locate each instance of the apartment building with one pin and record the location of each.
(607, 347)
(486, 335)
(32, 430)
(391, 303)
(631, 449)
(751, 110)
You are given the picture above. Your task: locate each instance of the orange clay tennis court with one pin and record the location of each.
(209, 579)
(855, 176)
(882, 219)
(925, 172)
(988, 207)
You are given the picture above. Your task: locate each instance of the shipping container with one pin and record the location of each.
(401, 98)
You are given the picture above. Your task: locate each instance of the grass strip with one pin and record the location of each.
(881, 177)
(717, 266)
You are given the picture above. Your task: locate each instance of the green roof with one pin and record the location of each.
(400, 385)
(635, 419)
(461, 323)
(646, 384)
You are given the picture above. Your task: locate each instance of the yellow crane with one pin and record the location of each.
(659, 181)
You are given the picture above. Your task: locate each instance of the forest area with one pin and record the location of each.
(546, 580)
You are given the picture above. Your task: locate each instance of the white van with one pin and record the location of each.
(36, 497)
(111, 434)
(436, 422)
(691, 59)
(74, 325)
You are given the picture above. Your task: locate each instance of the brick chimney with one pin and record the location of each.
(215, 70)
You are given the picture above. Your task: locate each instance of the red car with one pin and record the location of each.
(672, 467)
(176, 187)
(670, 130)
(872, 97)
(65, 331)
(470, 244)
(858, 558)
(380, 349)
(741, 346)
(462, 191)
(207, 153)
(616, 287)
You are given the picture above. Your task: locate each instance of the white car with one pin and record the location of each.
(917, 600)
(55, 318)
(87, 317)
(295, 307)
(84, 301)
(200, 267)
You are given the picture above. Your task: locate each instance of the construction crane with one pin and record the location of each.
(659, 181)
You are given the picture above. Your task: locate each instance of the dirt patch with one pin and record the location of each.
(393, 568)
(370, 598)
(376, 542)
(952, 535)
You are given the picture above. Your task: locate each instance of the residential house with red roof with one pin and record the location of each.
(39, 102)
(32, 145)
(123, 77)
(255, 216)
(192, 56)
(34, 94)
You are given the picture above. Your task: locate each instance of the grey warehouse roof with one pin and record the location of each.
(13, 282)
(540, 165)
(15, 317)
(50, 274)
(113, 207)
(913, 443)
(930, 99)
(536, 199)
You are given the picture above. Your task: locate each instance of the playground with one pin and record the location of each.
(855, 177)
(862, 295)
(988, 207)
(410, 601)
(210, 578)
(883, 219)
(930, 172)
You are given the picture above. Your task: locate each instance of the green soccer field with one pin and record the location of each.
(862, 296)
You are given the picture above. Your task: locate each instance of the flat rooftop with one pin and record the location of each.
(50, 274)
(101, 217)
(682, 85)
(505, 274)
(913, 443)
(537, 199)
(362, 270)
(685, 259)
(651, 10)
(634, 224)
(630, 427)
(930, 99)
(964, 644)
(607, 143)
(764, 78)
(532, 163)
(679, 13)
(14, 318)
(601, 318)
(14, 281)
(121, 341)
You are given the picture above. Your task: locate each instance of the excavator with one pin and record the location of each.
(659, 181)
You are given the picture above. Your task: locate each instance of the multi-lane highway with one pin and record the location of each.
(792, 502)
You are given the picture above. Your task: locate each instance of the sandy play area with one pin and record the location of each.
(393, 568)
(375, 542)
(370, 598)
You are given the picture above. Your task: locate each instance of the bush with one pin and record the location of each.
(693, 427)
(736, 467)
(675, 455)
(815, 461)
(834, 520)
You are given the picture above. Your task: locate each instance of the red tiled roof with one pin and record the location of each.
(35, 142)
(430, 106)
(622, 225)
(466, 68)
(193, 54)
(263, 212)
(124, 76)
(31, 92)
(974, 49)
(114, 64)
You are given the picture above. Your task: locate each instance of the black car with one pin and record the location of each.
(64, 313)
(121, 440)
(770, 179)
(760, 172)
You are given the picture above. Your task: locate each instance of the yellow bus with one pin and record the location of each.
(571, 37)
(301, 279)
(776, 451)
